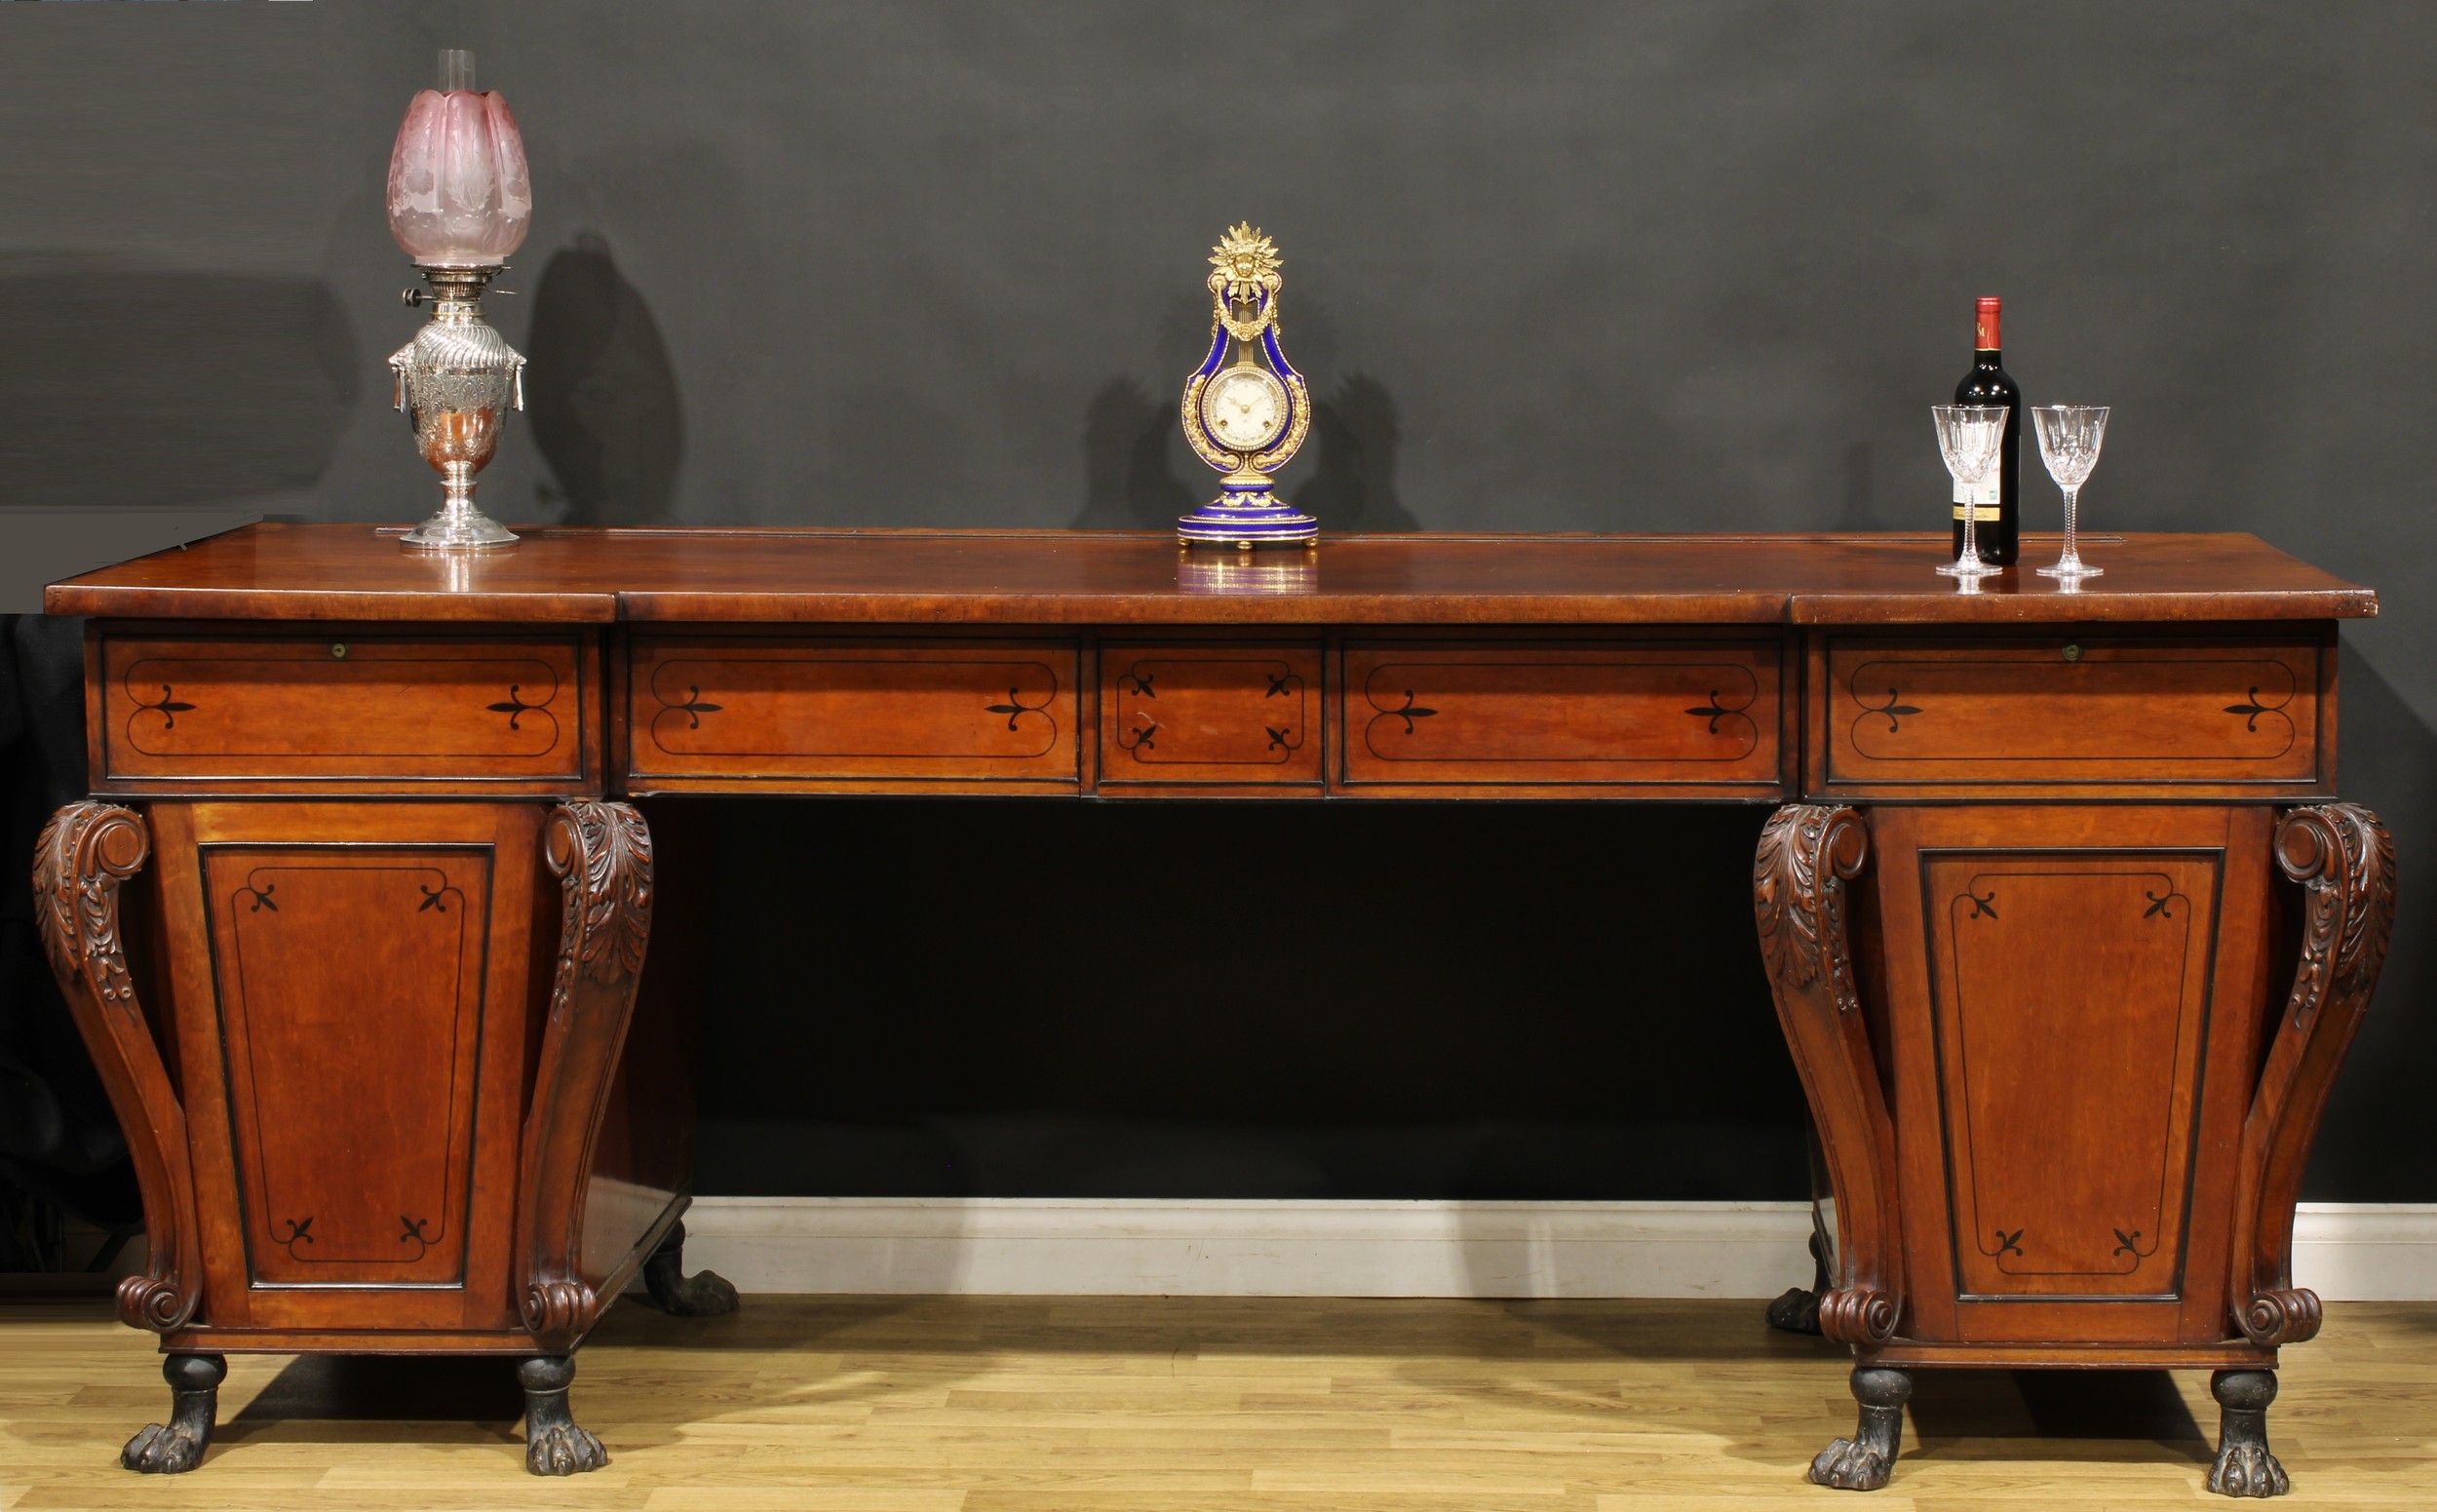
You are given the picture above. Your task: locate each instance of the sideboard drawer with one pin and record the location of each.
(1561, 716)
(707, 714)
(1210, 713)
(2205, 717)
(341, 710)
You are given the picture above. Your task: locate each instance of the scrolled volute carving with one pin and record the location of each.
(558, 1309)
(86, 852)
(85, 855)
(155, 1302)
(2287, 1316)
(601, 854)
(2345, 863)
(1807, 853)
(1857, 1315)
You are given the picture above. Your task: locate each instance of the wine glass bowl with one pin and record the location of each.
(2070, 438)
(1969, 437)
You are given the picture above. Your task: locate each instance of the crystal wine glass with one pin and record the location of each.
(2069, 442)
(1968, 436)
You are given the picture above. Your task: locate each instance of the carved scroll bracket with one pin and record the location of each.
(87, 852)
(601, 855)
(1809, 856)
(2344, 862)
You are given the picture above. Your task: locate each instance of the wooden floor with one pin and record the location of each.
(1078, 1405)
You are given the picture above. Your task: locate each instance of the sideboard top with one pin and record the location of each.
(787, 575)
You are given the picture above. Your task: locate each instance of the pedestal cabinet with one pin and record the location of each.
(369, 923)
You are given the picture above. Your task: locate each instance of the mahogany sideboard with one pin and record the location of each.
(2066, 930)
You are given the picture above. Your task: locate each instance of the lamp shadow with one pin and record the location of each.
(602, 393)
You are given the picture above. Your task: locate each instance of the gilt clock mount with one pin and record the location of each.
(1246, 408)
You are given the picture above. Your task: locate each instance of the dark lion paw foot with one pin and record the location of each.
(160, 1450)
(2247, 1470)
(563, 1451)
(705, 1294)
(1849, 1466)
(1796, 1312)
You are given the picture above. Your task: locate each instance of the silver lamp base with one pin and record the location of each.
(458, 527)
(456, 381)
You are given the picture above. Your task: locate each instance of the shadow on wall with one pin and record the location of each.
(1355, 432)
(601, 394)
(126, 387)
(1127, 483)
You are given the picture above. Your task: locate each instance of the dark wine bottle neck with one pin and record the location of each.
(1989, 356)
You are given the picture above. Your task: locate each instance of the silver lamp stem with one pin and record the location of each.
(456, 381)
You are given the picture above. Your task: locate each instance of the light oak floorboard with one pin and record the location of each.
(971, 1403)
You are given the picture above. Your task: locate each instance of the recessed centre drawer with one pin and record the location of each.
(1210, 713)
(295, 712)
(712, 713)
(1557, 714)
(2057, 711)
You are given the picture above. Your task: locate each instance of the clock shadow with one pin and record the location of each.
(1354, 433)
(1129, 480)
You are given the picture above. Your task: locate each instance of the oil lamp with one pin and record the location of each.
(461, 201)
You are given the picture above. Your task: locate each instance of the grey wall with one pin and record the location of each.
(1691, 266)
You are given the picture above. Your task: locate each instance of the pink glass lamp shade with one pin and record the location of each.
(459, 195)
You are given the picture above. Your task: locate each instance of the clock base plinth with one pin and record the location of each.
(1247, 520)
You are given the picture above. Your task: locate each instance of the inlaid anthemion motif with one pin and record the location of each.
(1015, 708)
(514, 704)
(1888, 710)
(166, 707)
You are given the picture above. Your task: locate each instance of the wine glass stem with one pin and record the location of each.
(2072, 556)
(1971, 517)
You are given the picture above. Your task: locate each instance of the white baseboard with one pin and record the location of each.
(1055, 1247)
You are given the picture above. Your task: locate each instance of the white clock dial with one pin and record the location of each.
(1244, 409)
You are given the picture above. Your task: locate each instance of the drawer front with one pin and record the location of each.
(852, 713)
(344, 710)
(1562, 715)
(2055, 712)
(1210, 713)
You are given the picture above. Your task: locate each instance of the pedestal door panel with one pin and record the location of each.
(2074, 1003)
(353, 1031)
(352, 1072)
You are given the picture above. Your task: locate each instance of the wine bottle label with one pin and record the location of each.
(1986, 497)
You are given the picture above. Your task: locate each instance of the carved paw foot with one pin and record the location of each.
(705, 1294)
(1796, 1312)
(552, 1444)
(563, 1449)
(163, 1451)
(194, 1403)
(2244, 1467)
(1849, 1466)
(2247, 1470)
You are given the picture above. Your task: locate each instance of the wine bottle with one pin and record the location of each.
(1998, 502)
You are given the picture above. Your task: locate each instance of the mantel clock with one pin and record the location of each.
(1246, 408)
